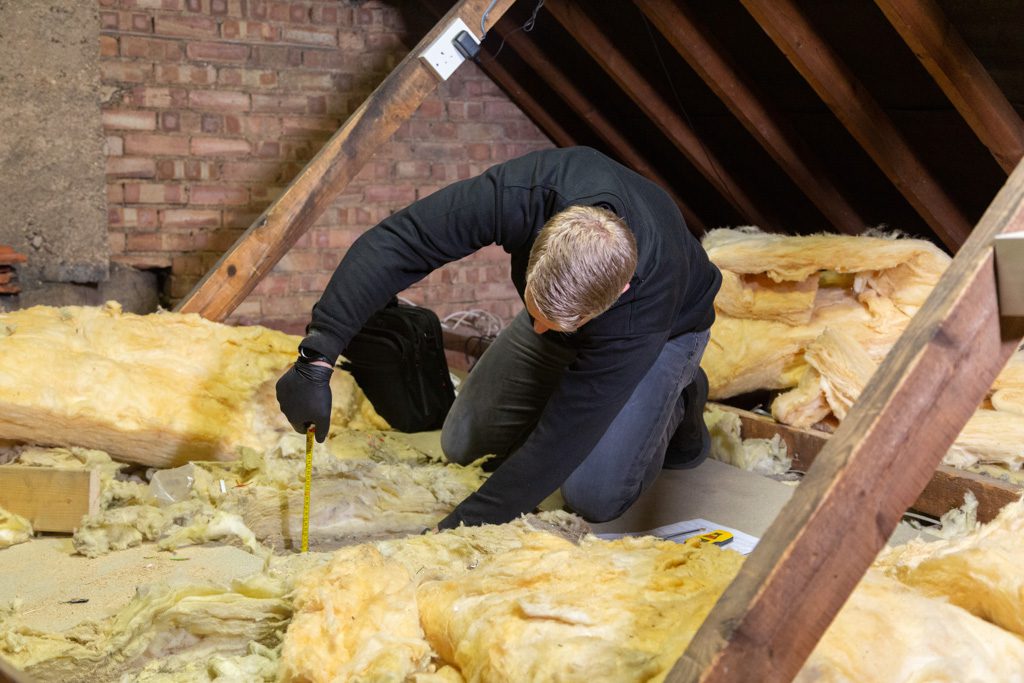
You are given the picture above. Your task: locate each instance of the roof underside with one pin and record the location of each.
(610, 74)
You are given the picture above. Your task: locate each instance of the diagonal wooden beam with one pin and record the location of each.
(558, 81)
(961, 76)
(677, 23)
(885, 451)
(632, 82)
(786, 25)
(322, 180)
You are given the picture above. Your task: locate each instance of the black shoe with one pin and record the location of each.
(691, 442)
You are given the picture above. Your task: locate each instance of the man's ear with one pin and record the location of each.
(625, 288)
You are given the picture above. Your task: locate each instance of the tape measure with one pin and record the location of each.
(305, 493)
(717, 537)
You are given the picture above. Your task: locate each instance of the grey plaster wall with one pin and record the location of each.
(52, 187)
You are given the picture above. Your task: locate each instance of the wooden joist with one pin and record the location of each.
(944, 492)
(562, 84)
(604, 51)
(676, 22)
(943, 52)
(51, 499)
(861, 114)
(871, 470)
(322, 180)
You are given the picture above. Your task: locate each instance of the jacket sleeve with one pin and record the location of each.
(591, 393)
(402, 249)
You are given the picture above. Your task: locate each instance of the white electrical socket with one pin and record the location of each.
(441, 55)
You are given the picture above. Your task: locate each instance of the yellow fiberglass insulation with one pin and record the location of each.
(14, 529)
(779, 293)
(502, 604)
(366, 484)
(510, 603)
(839, 369)
(159, 389)
(980, 571)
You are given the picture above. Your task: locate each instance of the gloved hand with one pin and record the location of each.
(304, 394)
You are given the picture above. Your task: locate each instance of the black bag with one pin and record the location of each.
(398, 361)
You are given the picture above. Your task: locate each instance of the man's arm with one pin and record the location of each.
(591, 393)
(402, 249)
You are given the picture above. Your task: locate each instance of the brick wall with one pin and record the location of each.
(213, 106)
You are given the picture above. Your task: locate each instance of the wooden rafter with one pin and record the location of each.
(604, 51)
(770, 618)
(558, 81)
(322, 180)
(709, 61)
(863, 117)
(961, 76)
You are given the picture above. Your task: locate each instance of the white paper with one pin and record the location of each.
(681, 531)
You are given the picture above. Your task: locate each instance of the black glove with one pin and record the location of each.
(304, 394)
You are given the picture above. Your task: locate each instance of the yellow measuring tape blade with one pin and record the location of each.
(305, 493)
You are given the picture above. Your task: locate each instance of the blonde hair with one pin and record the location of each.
(582, 259)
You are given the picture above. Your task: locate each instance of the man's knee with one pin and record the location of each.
(595, 507)
(460, 442)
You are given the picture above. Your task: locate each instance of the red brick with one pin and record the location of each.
(156, 49)
(222, 195)
(125, 72)
(154, 144)
(219, 100)
(220, 147)
(189, 218)
(115, 193)
(130, 167)
(116, 242)
(412, 169)
(170, 121)
(185, 169)
(311, 35)
(142, 23)
(153, 193)
(128, 119)
(161, 98)
(108, 46)
(251, 171)
(113, 146)
(185, 26)
(108, 20)
(305, 125)
(479, 151)
(268, 149)
(186, 74)
(248, 30)
(217, 52)
(144, 241)
(395, 194)
(279, 103)
(273, 56)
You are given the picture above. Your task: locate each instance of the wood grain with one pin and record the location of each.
(861, 114)
(953, 65)
(872, 469)
(51, 499)
(696, 45)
